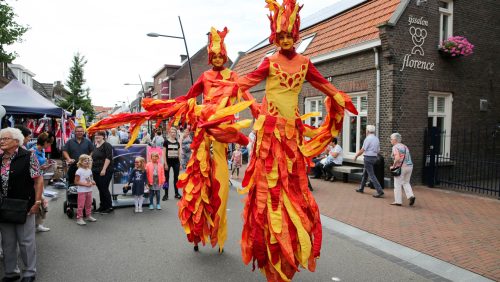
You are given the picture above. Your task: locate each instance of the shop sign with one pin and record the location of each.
(418, 31)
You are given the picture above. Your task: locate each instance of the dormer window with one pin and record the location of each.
(305, 43)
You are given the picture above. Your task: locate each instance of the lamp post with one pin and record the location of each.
(153, 34)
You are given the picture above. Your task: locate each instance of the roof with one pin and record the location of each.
(343, 28)
(164, 67)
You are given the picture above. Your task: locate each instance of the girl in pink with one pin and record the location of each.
(84, 182)
(236, 160)
(156, 178)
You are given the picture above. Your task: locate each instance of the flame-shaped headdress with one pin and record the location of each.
(216, 43)
(284, 18)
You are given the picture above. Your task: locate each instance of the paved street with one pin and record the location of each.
(124, 246)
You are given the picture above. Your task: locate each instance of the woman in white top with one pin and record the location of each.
(113, 138)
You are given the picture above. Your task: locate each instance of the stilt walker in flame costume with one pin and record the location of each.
(282, 227)
(202, 208)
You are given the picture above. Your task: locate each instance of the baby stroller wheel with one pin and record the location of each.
(70, 213)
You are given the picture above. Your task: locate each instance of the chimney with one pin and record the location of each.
(183, 58)
(57, 83)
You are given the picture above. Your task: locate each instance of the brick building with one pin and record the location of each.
(384, 54)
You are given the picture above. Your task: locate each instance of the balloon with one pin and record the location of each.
(2, 111)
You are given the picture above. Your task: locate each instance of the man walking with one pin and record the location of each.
(73, 149)
(370, 149)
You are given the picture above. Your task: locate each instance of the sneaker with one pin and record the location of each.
(106, 211)
(151, 207)
(80, 221)
(164, 198)
(91, 219)
(136, 210)
(412, 201)
(140, 210)
(178, 196)
(158, 207)
(41, 228)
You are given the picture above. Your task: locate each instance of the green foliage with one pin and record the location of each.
(10, 32)
(79, 98)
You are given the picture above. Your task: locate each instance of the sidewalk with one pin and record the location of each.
(461, 229)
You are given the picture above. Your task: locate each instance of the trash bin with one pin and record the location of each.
(379, 171)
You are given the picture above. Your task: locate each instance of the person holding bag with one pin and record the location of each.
(21, 184)
(401, 169)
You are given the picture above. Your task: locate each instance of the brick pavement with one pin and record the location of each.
(460, 229)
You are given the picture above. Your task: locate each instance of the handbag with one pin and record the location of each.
(396, 171)
(13, 210)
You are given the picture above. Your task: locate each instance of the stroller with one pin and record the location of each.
(71, 202)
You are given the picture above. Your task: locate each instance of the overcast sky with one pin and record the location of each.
(112, 37)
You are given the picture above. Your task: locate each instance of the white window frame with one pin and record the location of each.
(346, 133)
(304, 43)
(447, 115)
(446, 12)
(308, 108)
(268, 54)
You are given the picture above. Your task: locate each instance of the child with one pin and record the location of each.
(236, 160)
(138, 180)
(84, 182)
(156, 179)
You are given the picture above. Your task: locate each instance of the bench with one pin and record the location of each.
(346, 170)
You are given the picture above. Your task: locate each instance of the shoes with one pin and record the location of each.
(99, 210)
(11, 279)
(41, 228)
(106, 211)
(28, 279)
(158, 207)
(136, 210)
(396, 204)
(91, 219)
(151, 207)
(195, 248)
(164, 198)
(139, 210)
(412, 200)
(80, 221)
(332, 179)
(177, 196)
(378, 195)
(359, 191)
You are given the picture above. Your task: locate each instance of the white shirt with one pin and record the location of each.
(85, 176)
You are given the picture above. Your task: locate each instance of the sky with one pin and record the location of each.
(112, 37)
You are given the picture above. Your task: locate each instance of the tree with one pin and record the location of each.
(79, 97)
(10, 32)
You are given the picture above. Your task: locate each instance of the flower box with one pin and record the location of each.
(456, 46)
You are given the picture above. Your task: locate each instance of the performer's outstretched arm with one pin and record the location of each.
(193, 92)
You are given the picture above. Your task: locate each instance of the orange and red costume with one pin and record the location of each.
(282, 227)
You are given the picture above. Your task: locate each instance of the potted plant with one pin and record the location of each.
(456, 46)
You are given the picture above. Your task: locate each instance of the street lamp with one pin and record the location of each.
(154, 34)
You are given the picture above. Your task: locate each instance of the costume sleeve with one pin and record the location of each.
(194, 91)
(254, 77)
(336, 103)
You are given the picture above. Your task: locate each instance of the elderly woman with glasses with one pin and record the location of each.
(20, 179)
(402, 158)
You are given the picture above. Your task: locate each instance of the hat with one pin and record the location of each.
(216, 43)
(284, 18)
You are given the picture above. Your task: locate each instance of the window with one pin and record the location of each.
(314, 105)
(304, 44)
(354, 130)
(439, 115)
(445, 19)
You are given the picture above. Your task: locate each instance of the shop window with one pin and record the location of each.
(439, 110)
(354, 130)
(314, 105)
(445, 19)
(304, 44)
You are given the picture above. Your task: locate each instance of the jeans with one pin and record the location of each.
(152, 194)
(84, 201)
(102, 183)
(368, 172)
(22, 235)
(174, 164)
(403, 180)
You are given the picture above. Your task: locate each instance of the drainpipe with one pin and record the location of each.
(377, 105)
